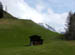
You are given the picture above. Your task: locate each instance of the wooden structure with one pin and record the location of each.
(36, 40)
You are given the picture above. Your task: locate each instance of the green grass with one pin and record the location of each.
(14, 38)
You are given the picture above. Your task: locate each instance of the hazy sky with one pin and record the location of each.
(51, 12)
(58, 6)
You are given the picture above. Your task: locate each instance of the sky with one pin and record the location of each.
(58, 6)
(51, 12)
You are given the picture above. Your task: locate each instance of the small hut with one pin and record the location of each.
(36, 40)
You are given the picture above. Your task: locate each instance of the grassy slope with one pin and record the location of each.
(14, 35)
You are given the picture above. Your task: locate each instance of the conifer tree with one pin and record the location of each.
(1, 10)
(70, 32)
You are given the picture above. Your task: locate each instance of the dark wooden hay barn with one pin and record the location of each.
(36, 40)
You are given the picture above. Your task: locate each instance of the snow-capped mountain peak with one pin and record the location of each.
(47, 27)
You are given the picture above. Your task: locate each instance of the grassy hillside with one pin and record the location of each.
(14, 36)
(7, 15)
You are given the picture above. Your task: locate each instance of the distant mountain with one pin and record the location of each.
(47, 27)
